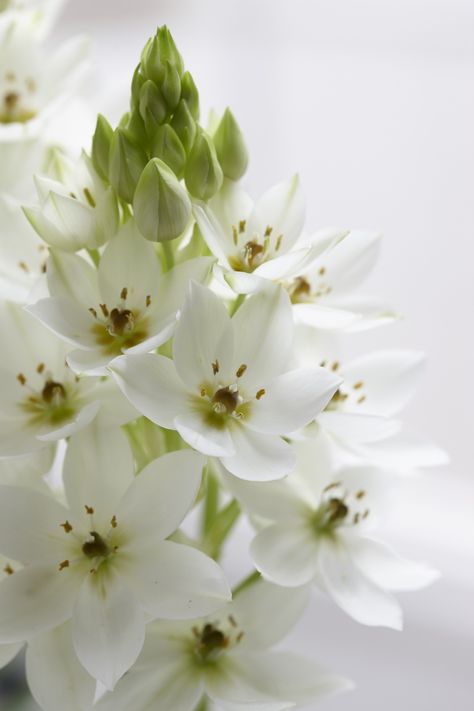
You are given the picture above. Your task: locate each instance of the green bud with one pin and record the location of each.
(184, 125)
(152, 106)
(101, 146)
(167, 147)
(161, 205)
(230, 147)
(126, 163)
(190, 94)
(137, 82)
(203, 174)
(168, 50)
(136, 127)
(171, 87)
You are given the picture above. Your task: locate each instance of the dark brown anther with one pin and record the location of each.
(97, 547)
(226, 400)
(121, 321)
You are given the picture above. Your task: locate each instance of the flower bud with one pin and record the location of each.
(101, 146)
(171, 87)
(161, 205)
(152, 106)
(137, 82)
(190, 95)
(167, 147)
(230, 147)
(127, 161)
(159, 50)
(168, 50)
(203, 174)
(184, 125)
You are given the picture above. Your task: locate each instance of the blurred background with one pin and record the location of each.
(372, 101)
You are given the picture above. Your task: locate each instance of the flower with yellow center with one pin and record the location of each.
(103, 560)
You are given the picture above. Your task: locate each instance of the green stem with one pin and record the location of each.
(237, 303)
(251, 579)
(202, 705)
(94, 254)
(223, 524)
(168, 255)
(211, 502)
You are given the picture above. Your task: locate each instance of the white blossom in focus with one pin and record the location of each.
(103, 560)
(228, 390)
(227, 658)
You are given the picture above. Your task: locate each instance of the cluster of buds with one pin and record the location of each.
(160, 143)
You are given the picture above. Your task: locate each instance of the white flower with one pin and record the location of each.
(104, 560)
(76, 211)
(22, 254)
(42, 400)
(126, 306)
(226, 658)
(324, 293)
(317, 526)
(261, 242)
(228, 391)
(34, 83)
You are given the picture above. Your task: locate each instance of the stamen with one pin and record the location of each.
(89, 510)
(268, 231)
(235, 235)
(104, 310)
(40, 368)
(93, 312)
(241, 370)
(215, 367)
(148, 300)
(260, 393)
(95, 546)
(113, 522)
(21, 379)
(278, 243)
(335, 365)
(322, 271)
(358, 385)
(89, 197)
(242, 226)
(360, 494)
(8, 569)
(24, 266)
(64, 564)
(67, 526)
(362, 399)
(124, 293)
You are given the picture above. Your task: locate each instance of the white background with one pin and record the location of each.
(372, 101)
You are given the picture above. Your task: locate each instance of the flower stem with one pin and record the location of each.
(237, 303)
(251, 579)
(211, 502)
(168, 255)
(223, 524)
(202, 705)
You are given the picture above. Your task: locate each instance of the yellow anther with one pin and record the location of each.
(113, 522)
(40, 368)
(260, 393)
(148, 300)
(21, 378)
(268, 231)
(104, 309)
(235, 235)
(124, 293)
(215, 366)
(93, 312)
(89, 198)
(67, 526)
(362, 399)
(242, 225)
(64, 564)
(241, 370)
(89, 510)
(24, 266)
(358, 385)
(8, 569)
(278, 242)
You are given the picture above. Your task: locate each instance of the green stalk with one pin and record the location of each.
(202, 705)
(168, 254)
(251, 579)
(211, 502)
(223, 524)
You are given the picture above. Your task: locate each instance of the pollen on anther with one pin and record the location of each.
(93, 312)
(260, 393)
(21, 378)
(322, 271)
(278, 242)
(67, 526)
(241, 370)
(113, 522)
(64, 564)
(89, 509)
(358, 385)
(104, 310)
(239, 636)
(148, 300)
(24, 266)
(215, 367)
(335, 365)
(268, 231)
(360, 494)
(362, 399)
(242, 225)
(8, 569)
(40, 368)
(124, 293)
(231, 618)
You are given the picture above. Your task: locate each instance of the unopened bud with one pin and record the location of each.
(230, 147)
(171, 87)
(152, 105)
(190, 95)
(127, 161)
(161, 205)
(184, 126)
(167, 147)
(203, 174)
(101, 146)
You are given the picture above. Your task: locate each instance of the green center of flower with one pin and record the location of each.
(53, 404)
(15, 105)
(252, 252)
(95, 547)
(120, 327)
(303, 289)
(213, 639)
(338, 508)
(347, 394)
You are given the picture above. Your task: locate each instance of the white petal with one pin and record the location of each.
(75, 220)
(174, 284)
(80, 419)
(259, 457)
(245, 283)
(203, 336)
(271, 500)
(8, 652)
(152, 385)
(129, 261)
(30, 529)
(108, 627)
(254, 611)
(358, 428)
(358, 596)
(387, 569)
(324, 316)
(67, 319)
(287, 677)
(405, 453)
(263, 328)
(160, 496)
(389, 380)
(286, 554)
(90, 362)
(98, 469)
(213, 441)
(174, 581)
(282, 208)
(351, 260)
(55, 676)
(292, 400)
(285, 266)
(71, 277)
(34, 599)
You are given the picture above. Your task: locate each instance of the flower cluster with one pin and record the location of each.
(171, 348)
